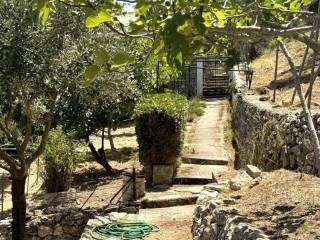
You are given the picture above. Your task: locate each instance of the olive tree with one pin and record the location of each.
(37, 65)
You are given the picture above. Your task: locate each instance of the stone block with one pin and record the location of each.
(214, 187)
(44, 231)
(234, 185)
(253, 171)
(162, 174)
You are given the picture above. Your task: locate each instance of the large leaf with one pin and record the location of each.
(44, 15)
(101, 57)
(121, 59)
(98, 18)
(91, 74)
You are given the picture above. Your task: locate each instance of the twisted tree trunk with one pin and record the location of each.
(19, 207)
(100, 157)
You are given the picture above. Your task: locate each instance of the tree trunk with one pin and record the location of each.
(314, 74)
(101, 158)
(313, 132)
(302, 67)
(102, 138)
(276, 74)
(19, 208)
(113, 149)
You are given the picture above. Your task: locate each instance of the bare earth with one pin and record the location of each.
(285, 205)
(174, 222)
(264, 67)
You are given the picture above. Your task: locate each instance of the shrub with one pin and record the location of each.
(196, 108)
(160, 124)
(60, 158)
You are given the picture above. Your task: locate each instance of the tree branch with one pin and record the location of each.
(125, 34)
(8, 160)
(288, 11)
(21, 149)
(44, 137)
(258, 32)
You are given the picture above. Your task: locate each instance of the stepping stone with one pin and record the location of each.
(197, 174)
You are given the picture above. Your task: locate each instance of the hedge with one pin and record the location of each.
(160, 123)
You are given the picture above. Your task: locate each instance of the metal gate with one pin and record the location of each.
(203, 77)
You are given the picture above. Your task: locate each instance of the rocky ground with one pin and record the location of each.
(277, 205)
(284, 204)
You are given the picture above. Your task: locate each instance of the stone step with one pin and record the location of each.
(170, 196)
(198, 159)
(169, 201)
(197, 173)
(216, 90)
(208, 88)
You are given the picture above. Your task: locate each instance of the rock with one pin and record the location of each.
(206, 235)
(229, 201)
(44, 231)
(253, 171)
(58, 231)
(264, 98)
(241, 178)
(37, 213)
(263, 90)
(214, 187)
(234, 185)
(71, 230)
(209, 194)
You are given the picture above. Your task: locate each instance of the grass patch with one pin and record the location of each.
(228, 129)
(195, 109)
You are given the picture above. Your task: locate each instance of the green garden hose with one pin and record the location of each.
(124, 230)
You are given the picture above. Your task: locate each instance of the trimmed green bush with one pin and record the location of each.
(160, 124)
(60, 158)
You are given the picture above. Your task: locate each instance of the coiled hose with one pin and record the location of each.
(124, 230)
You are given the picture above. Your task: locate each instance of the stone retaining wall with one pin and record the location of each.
(272, 140)
(51, 224)
(216, 219)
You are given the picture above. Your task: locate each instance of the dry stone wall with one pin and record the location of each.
(272, 140)
(51, 224)
(215, 218)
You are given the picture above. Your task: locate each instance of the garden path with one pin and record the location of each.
(206, 145)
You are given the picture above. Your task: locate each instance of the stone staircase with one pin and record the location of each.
(208, 159)
(216, 85)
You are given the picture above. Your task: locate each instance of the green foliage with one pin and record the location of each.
(37, 64)
(181, 29)
(59, 161)
(196, 108)
(272, 45)
(233, 86)
(160, 124)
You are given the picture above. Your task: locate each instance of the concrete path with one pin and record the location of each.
(163, 204)
(207, 146)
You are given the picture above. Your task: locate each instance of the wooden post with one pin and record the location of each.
(2, 194)
(276, 73)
